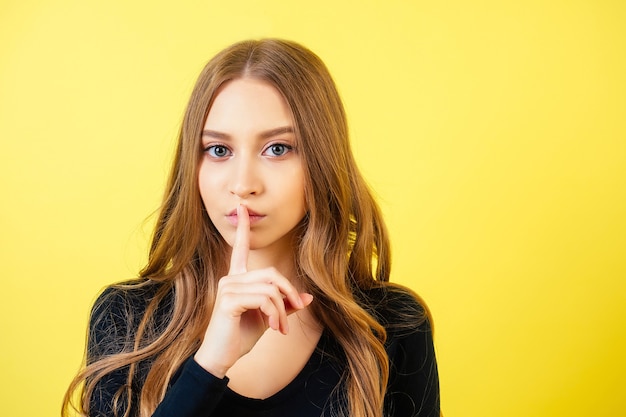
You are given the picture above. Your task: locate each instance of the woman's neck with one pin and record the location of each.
(284, 262)
(281, 255)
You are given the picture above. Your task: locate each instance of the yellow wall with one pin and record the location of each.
(492, 131)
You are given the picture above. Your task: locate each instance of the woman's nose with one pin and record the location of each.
(245, 180)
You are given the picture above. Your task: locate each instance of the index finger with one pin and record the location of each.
(241, 246)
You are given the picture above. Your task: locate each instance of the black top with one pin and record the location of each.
(413, 388)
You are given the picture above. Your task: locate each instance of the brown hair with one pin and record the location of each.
(343, 242)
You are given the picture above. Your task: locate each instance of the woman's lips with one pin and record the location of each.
(252, 215)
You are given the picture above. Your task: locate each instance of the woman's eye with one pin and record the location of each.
(278, 149)
(217, 151)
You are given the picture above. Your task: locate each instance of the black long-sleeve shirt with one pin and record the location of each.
(412, 391)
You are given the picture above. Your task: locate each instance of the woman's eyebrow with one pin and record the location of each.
(215, 134)
(275, 132)
(263, 135)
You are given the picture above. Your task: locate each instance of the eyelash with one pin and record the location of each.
(211, 150)
(287, 148)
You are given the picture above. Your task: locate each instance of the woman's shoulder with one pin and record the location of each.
(133, 295)
(119, 309)
(120, 304)
(397, 308)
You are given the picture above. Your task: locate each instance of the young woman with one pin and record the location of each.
(266, 291)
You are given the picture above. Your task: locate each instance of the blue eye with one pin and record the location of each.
(278, 149)
(217, 151)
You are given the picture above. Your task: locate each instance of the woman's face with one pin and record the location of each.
(250, 158)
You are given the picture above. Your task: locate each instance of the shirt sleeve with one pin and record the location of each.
(194, 393)
(108, 335)
(413, 388)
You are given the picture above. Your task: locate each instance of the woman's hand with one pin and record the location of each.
(247, 303)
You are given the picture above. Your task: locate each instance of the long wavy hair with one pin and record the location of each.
(343, 247)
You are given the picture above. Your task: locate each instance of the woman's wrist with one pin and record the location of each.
(215, 369)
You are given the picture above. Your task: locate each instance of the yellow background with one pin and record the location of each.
(493, 133)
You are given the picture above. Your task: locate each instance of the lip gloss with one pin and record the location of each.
(253, 216)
